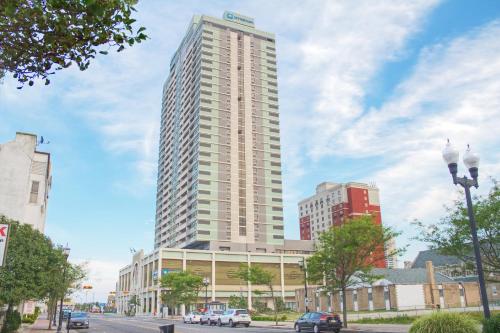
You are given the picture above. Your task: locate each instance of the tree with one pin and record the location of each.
(182, 288)
(237, 302)
(133, 303)
(38, 36)
(346, 255)
(33, 268)
(452, 235)
(23, 275)
(256, 275)
(62, 279)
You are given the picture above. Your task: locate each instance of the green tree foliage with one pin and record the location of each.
(346, 255)
(181, 288)
(237, 302)
(452, 235)
(23, 275)
(444, 322)
(33, 268)
(40, 36)
(257, 275)
(12, 321)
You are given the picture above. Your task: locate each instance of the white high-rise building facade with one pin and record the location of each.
(219, 175)
(25, 181)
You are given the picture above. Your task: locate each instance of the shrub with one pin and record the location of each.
(30, 318)
(12, 321)
(492, 325)
(444, 322)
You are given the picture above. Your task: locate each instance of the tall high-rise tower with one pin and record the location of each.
(219, 173)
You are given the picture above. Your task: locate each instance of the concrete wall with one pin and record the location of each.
(20, 166)
(410, 296)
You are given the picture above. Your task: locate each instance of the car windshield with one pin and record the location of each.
(78, 315)
(218, 312)
(239, 312)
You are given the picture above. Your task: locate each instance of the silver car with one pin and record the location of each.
(211, 317)
(78, 320)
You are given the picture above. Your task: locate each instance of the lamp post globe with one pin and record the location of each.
(471, 161)
(450, 156)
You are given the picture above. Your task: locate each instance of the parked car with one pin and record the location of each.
(233, 317)
(78, 320)
(318, 322)
(192, 317)
(210, 317)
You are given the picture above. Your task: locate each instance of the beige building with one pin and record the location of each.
(219, 173)
(25, 181)
(141, 277)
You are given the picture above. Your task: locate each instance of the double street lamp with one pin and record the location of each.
(471, 161)
(66, 255)
(302, 265)
(206, 282)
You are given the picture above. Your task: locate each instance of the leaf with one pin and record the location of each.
(103, 52)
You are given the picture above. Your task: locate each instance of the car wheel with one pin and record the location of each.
(219, 323)
(297, 328)
(247, 325)
(316, 329)
(231, 323)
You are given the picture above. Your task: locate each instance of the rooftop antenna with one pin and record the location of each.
(42, 141)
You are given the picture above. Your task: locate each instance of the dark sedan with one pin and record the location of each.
(318, 322)
(78, 320)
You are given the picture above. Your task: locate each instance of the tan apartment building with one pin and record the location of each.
(219, 173)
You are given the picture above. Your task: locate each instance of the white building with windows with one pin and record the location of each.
(25, 181)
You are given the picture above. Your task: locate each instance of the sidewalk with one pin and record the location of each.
(40, 326)
(379, 328)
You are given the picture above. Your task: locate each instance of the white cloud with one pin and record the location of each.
(102, 276)
(452, 93)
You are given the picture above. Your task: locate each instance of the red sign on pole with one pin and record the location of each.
(4, 232)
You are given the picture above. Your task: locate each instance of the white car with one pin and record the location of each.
(192, 317)
(211, 317)
(233, 317)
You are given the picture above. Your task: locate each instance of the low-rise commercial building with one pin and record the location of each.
(141, 278)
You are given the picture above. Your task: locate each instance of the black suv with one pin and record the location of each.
(318, 322)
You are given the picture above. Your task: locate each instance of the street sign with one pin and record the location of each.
(4, 232)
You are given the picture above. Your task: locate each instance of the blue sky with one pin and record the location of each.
(369, 91)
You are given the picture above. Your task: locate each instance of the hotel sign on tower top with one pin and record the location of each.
(238, 18)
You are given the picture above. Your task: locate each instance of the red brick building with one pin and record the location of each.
(335, 203)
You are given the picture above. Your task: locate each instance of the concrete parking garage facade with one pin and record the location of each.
(142, 276)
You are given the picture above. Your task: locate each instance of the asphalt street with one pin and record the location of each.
(116, 324)
(119, 324)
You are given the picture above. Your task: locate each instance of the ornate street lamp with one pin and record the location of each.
(471, 161)
(302, 265)
(206, 282)
(66, 255)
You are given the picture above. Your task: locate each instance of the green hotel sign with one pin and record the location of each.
(238, 18)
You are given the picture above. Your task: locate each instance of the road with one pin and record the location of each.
(117, 324)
